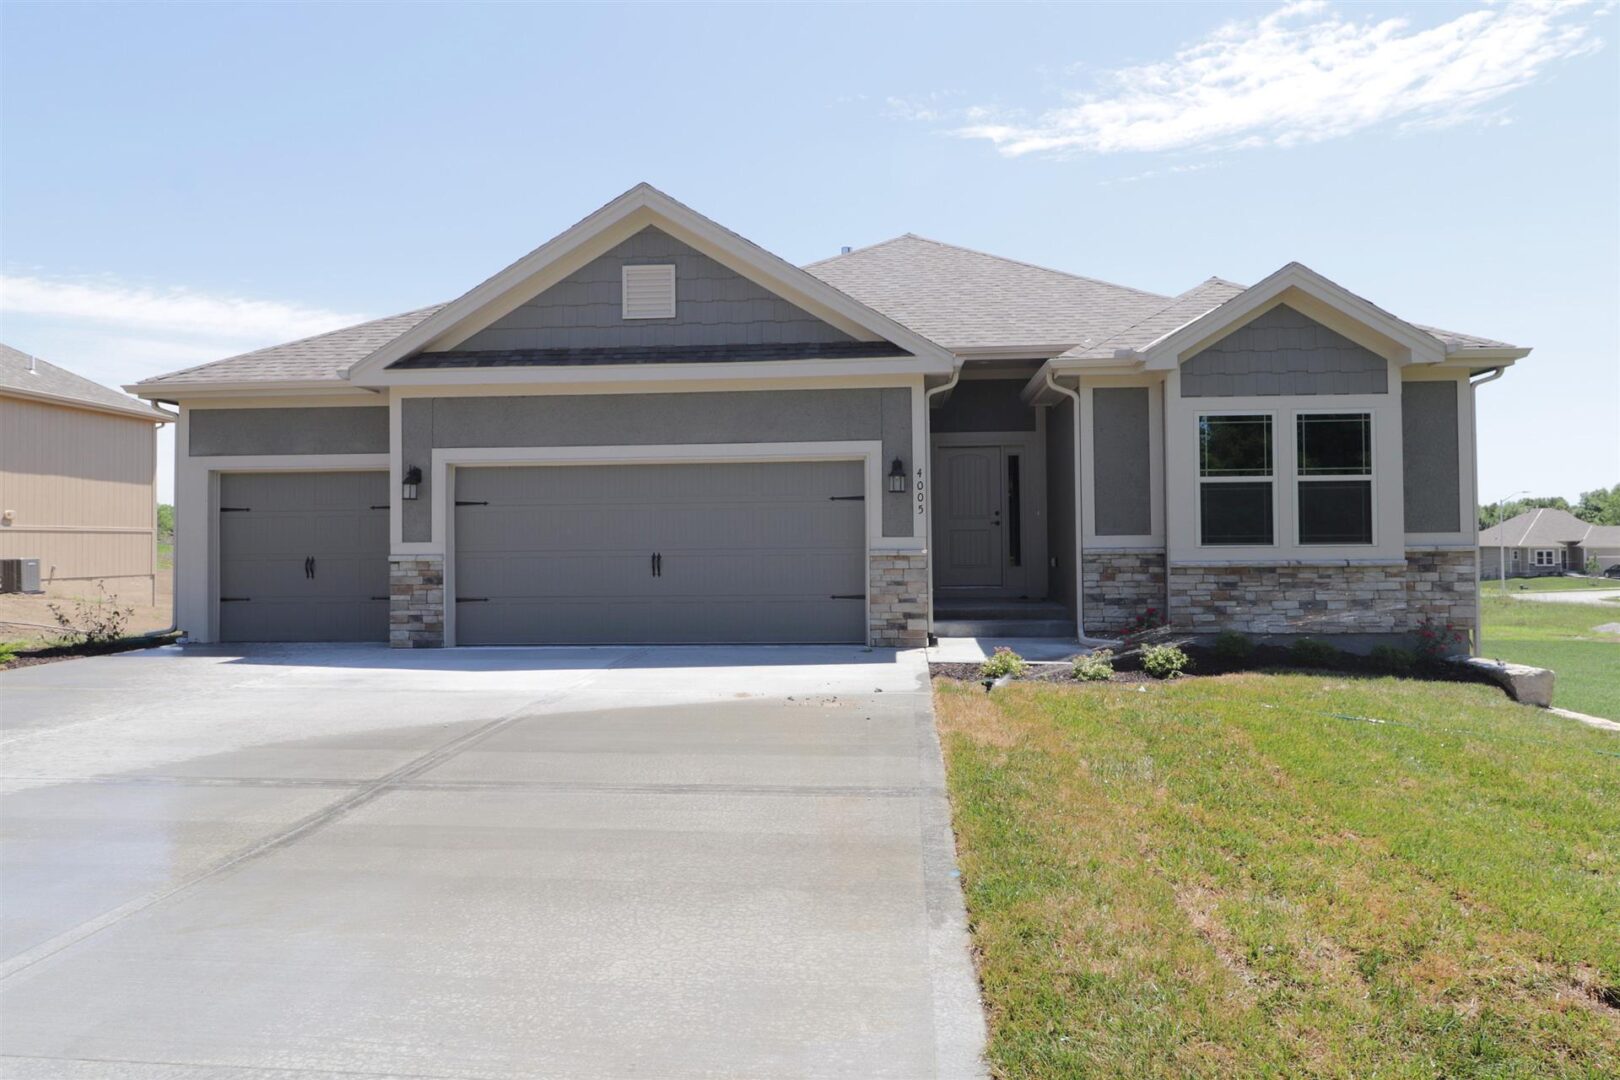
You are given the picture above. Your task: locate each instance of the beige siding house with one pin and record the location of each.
(77, 469)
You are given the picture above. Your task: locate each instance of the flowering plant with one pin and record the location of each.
(1436, 641)
(1148, 620)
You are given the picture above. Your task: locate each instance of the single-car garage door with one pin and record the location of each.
(734, 552)
(303, 556)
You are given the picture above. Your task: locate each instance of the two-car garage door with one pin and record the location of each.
(729, 552)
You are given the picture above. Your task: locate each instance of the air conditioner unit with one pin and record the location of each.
(19, 576)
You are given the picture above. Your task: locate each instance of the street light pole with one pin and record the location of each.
(1501, 541)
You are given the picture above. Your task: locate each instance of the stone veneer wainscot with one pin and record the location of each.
(898, 613)
(1436, 585)
(416, 601)
(1120, 586)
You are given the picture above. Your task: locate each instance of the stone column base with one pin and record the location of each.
(416, 601)
(897, 595)
(1120, 587)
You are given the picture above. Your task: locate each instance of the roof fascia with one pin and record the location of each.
(637, 208)
(258, 388)
(763, 371)
(134, 412)
(1294, 281)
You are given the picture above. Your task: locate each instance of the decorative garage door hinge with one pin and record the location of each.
(460, 502)
(234, 509)
(846, 498)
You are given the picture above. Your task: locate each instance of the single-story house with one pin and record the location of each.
(78, 466)
(649, 429)
(1547, 541)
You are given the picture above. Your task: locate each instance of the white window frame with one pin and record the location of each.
(1370, 476)
(666, 270)
(1199, 479)
(1536, 561)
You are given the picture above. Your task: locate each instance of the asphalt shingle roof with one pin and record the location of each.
(1196, 301)
(324, 356)
(35, 377)
(967, 299)
(1546, 527)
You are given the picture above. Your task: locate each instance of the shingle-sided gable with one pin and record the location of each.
(1283, 352)
(714, 306)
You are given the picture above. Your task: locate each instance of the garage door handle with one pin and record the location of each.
(658, 564)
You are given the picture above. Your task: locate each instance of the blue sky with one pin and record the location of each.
(180, 183)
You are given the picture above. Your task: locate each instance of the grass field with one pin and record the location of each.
(1547, 584)
(1235, 876)
(1559, 636)
(165, 554)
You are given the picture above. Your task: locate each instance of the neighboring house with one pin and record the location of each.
(77, 468)
(1547, 541)
(651, 430)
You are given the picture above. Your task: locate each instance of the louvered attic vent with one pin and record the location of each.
(649, 292)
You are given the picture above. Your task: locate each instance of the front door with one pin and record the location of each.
(968, 542)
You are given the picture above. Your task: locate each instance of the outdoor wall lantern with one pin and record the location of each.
(897, 477)
(413, 477)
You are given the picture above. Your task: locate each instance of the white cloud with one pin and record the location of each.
(1305, 73)
(176, 311)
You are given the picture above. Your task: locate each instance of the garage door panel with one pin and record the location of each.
(751, 551)
(303, 556)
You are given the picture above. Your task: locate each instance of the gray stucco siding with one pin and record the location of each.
(984, 405)
(1060, 517)
(1431, 472)
(713, 306)
(1121, 467)
(361, 429)
(882, 414)
(1283, 353)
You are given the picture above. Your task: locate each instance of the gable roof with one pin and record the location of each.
(645, 205)
(966, 299)
(22, 375)
(1198, 300)
(323, 358)
(1546, 527)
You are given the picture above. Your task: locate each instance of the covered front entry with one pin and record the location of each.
(303, 556)
(771, 552)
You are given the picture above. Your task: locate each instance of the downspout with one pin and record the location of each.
(1079, 514)
(1473, 438)
(928, 448)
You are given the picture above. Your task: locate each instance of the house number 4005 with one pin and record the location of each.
(922, 498)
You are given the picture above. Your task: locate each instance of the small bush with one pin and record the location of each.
(1163, 661)
(1232, 647)
(1393, 659)
(1308, 652)
(1002, 662)
(8, 651)
(1094, 667)
(95, 621)
(1148, 620)
(1436, 641)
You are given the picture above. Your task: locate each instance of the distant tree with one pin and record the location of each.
(1600, 507)
(165, 513)
(1514, 507)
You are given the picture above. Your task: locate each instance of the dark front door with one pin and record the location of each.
(968, 524)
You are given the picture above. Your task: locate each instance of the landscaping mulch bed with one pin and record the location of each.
(53, 653)
(1205, 662)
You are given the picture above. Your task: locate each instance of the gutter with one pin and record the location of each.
(928, 448)
(1473, 434)
(1079, 515)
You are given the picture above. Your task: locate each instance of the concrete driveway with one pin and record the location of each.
(1601, 597)
(314, 861)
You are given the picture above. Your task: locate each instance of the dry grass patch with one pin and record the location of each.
(1249, 876)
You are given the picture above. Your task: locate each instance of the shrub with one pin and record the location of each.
(1436, 641)
(8, 651)
(1094, 667)
(1232, 647)
(1148, 620)
(1163, 661)
(1393, 659)
(95, 621)
(1308, 652)
(1002, 662)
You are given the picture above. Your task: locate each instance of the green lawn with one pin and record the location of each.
(1547, 584)
(1235, 877)
(165, 555)
(1559, 636)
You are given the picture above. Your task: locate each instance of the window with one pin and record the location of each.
(649, 292)
(1544, 557)
(1334, 449)
(1234, 487)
